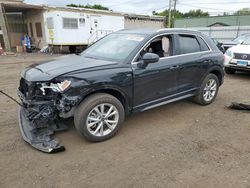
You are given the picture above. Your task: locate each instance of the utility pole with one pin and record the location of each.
(175, 1)
(169, 13)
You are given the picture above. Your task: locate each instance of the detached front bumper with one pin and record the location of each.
(41, 137)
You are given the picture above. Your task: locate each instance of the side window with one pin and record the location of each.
(70, 23)
(162, 46)
(203, 45)
(188, 44)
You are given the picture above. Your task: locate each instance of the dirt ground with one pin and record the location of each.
(177, 145)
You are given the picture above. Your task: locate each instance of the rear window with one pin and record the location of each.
(203, 45)
(188, 44)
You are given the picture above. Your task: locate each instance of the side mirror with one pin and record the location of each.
(150, 58)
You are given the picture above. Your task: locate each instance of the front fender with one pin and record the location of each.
(116, 91)
(114, 81)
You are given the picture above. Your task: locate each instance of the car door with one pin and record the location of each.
(156, 82)
(191, 60)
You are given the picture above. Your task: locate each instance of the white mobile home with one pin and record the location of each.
(67, 27)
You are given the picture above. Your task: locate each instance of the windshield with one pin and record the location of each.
(241, 38)
(247, 41)
(114, 47)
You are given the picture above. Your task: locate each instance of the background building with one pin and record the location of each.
(213, 21)
(222, 28)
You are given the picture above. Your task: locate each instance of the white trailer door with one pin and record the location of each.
(95, 22)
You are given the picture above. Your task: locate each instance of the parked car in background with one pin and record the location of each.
(219, 45)
(236, 41)
(125, 72)
(237, 58)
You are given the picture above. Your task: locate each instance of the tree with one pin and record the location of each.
(178, 14)
(195, 13)
(95, 6)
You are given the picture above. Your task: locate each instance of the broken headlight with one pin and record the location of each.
(56, 87)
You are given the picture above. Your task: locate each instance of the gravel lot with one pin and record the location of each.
(177, 145)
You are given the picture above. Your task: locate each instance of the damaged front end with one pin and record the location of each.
(44, 106)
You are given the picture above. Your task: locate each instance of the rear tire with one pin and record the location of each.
(229, 70)
(208, 90)
(99, 117)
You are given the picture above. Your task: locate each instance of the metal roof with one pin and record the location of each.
(85, 10)
(15, 7)
(144, 17)
(208, 21)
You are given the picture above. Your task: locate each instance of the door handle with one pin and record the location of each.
(174, 67)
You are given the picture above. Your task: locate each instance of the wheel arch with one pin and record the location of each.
(219, 74)
(121, 96)
(218, 71)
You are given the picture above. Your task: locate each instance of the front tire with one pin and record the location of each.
(99, 117)
(208, 90)
(229, 70)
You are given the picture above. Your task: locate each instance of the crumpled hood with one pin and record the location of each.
(242, 49)
(62, 65)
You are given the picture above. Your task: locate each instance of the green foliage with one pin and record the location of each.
(178, 14)
(196, 13)
(95, 6)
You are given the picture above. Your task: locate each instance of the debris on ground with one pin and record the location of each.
(44, 49)
(239, 106)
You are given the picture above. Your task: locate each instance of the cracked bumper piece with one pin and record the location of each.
(41, 137)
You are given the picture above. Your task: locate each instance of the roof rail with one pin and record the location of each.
(180, 29)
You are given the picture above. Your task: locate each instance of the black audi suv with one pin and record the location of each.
(125, 72)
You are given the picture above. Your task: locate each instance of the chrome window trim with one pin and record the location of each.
(133, 62)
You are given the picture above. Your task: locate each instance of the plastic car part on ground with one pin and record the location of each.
(239, 106)
(41, 138)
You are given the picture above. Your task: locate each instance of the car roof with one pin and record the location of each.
(245, 34)
(159, 31)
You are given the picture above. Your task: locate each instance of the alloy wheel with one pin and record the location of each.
(210, 90)
(102, 119)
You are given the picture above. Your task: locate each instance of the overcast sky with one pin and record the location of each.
(147, 6)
